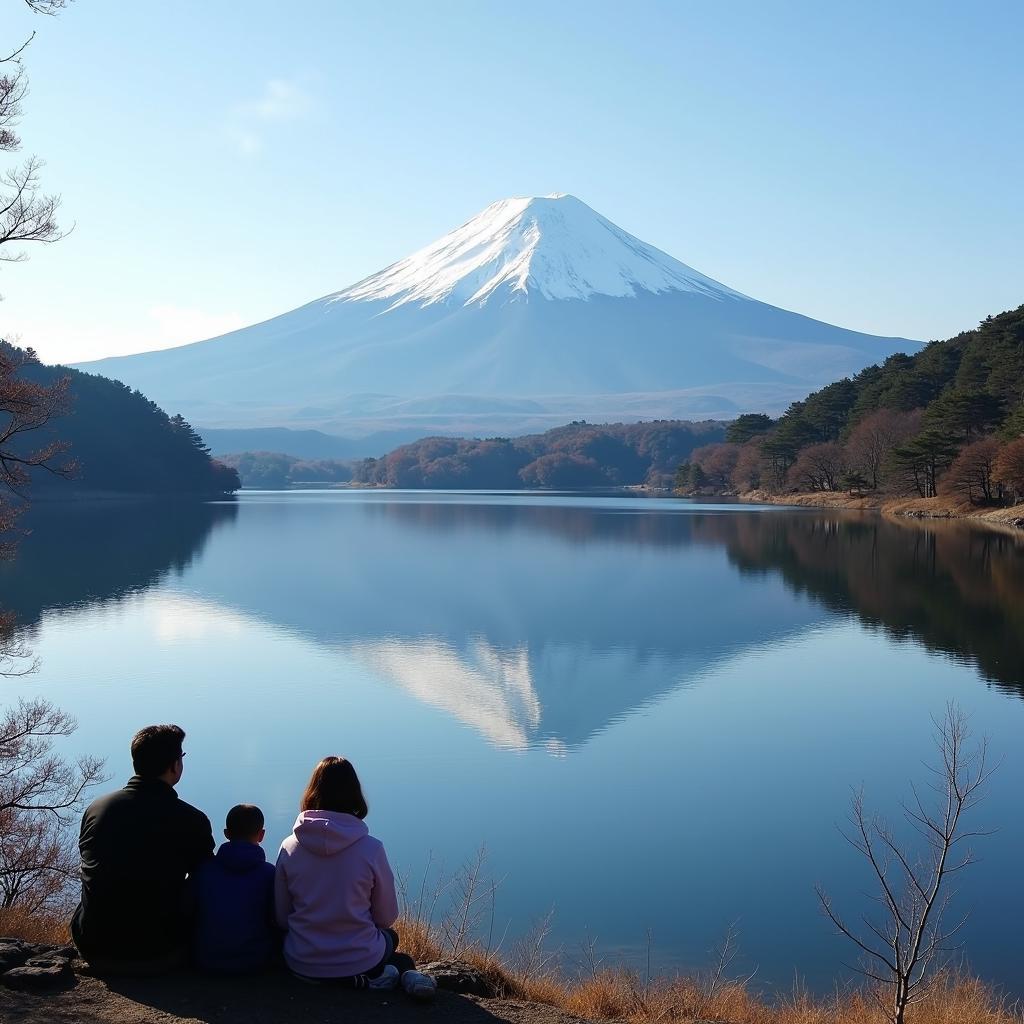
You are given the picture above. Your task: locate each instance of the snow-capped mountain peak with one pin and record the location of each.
(551, 247)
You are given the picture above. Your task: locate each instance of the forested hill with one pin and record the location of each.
(277, 472)
(578, 455)
(122, 442)
(946, 420)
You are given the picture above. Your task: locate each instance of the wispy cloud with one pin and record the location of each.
(282, 101)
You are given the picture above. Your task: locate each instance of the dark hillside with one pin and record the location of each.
(122, 442)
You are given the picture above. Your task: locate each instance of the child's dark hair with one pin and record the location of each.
(334, 786)
(244, 822)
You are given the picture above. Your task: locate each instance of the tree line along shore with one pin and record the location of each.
(937, 433)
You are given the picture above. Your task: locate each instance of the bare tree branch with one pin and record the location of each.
(50, 7)
(27, 214)
(917, 936)
(40, 795)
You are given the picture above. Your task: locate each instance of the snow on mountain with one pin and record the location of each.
(535, 312)
(554, 246)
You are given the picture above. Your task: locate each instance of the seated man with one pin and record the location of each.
(137, 846)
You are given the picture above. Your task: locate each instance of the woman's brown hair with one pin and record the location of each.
(334, 786)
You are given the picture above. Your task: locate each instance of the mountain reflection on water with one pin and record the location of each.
(954, 587)
(531, 621)
(576, 682)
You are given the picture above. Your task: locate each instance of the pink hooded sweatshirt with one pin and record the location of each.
(334, 891)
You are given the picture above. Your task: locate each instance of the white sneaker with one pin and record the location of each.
(386, 980)
(419, 986)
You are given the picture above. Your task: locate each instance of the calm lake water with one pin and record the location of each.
(650, 712)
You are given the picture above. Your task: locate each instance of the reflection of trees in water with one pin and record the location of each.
(81, 554)
(955, 588)
(644, 526)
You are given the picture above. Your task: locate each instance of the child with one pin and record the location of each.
(234, 895)
(336, 893)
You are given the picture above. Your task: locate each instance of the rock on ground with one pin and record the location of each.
(458, 976)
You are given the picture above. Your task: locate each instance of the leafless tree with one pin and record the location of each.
(50, 7)
(972, 474)
(820, 467)
(718, 462)
(718, 976)
(1009, 468)
(530, 958)
(15, 657)
(751, 467)
(904, 948)
(27, 214)
(41, 794)
(453, 912)
(472, 903)
(13, 87)
(27, 406)
(875, 436)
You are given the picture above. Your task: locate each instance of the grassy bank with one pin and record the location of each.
(16, 923)
(602, 993)
(913, 508)
(617, 994)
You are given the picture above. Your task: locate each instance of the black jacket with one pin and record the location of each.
(137, 846)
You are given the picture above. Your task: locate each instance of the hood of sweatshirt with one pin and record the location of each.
(236, 856)
(326, 833)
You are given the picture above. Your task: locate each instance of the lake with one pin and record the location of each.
(651, 713)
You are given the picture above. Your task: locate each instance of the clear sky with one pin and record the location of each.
(225, 162)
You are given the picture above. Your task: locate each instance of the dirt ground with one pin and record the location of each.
(187, 998)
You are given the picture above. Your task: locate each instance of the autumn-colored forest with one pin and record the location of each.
(947, 421)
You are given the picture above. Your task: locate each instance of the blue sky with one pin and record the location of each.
(222, 163)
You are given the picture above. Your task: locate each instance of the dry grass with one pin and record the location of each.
(601, 993)
(607, 994)
(617, 994)
(49, 928)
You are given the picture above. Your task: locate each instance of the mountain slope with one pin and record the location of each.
(535, 311)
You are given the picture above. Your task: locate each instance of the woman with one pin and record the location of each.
(335, 893)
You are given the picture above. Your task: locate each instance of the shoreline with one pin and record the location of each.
(1007, 517)
(52, 498)
(475, 987)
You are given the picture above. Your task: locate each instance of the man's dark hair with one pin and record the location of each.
(244, 822)
(156, 748)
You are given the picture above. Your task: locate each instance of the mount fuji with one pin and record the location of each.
(536, 311)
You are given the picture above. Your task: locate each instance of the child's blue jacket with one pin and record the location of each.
(234, 894)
